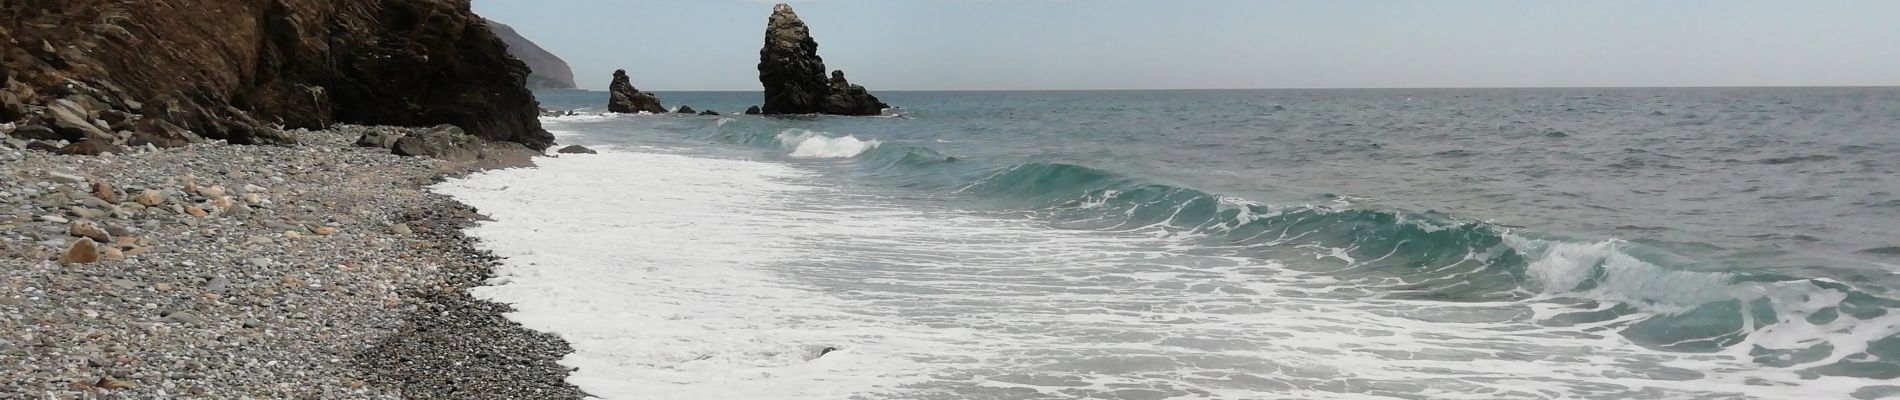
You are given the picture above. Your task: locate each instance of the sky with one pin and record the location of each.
(669, 45)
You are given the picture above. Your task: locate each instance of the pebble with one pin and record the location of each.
(184, 317)
(83, 212)
(150, 198)
(104, 191)
(82, 251)
(360, 326)
(64, 178)
(91, 230)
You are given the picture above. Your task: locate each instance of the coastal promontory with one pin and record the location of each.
(545, 70)
(794, 75)
(177, 71)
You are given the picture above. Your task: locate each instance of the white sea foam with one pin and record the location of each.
(696, 278)
(656, 280)
(804, 143)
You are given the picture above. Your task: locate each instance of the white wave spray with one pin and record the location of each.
(805, 143)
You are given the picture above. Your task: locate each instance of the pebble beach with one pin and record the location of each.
(315, 270)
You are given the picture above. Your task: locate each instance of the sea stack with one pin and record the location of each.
(627, 99)
(794, 75)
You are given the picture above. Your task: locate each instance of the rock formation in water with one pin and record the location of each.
(753, 110)
(624, 98)
(687, 110)
(850, 99)
(545, 70)
(794, 75)
(176, 71)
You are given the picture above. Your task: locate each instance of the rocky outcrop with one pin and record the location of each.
(576, 149)
(687, 110)
(849, 99)
(445, 142)
(246, 70)
(794, 75)
(753, 110)
(709, 112)
(624, 98)
(545, 70)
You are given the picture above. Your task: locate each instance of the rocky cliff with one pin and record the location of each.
(794, 75)
(545, 70)
(242, 70)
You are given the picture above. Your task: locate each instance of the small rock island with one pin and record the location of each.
(794, 75)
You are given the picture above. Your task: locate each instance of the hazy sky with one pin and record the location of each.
(1136, 44)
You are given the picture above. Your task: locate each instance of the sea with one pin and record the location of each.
(1591, 243)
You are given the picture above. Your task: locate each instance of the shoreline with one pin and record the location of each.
(227, 271)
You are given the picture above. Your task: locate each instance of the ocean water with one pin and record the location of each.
(1303, 244)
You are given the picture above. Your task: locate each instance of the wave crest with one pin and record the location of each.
(805, 143)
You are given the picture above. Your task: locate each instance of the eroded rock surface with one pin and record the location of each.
(624, 98)
(794, 75)
(245, 70)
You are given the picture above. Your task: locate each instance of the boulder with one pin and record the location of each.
(11, 108)
(72, 120)
(794, 75)
(42, 146)
(624, 98)
(446, 142)
(576, 149)
(709, 112)
(382, 138)
(92, 147)
(687, 110)
(161, 133)
(753, 110)
(34, 130)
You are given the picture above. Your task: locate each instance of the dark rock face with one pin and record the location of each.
(545, 70)
(753, 110)
(687, 110)
(626, 99)
(849, 99)
(576, 149)
(237, 70)
(794, 75)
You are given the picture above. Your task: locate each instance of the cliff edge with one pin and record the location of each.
(126, 72)
(545, 70)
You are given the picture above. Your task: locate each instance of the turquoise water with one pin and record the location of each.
(1694, 243)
